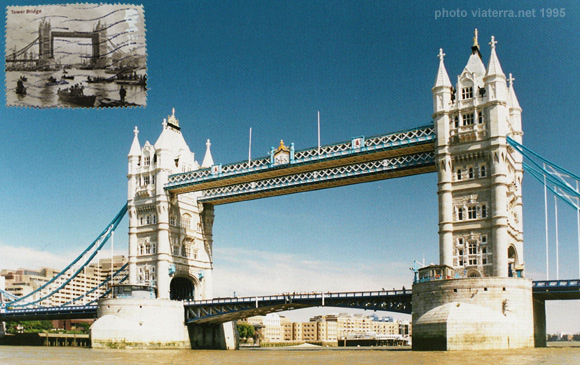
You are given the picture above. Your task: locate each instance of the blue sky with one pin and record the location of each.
(368, 66)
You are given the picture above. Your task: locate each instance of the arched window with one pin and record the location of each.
(460, 214)
(186, 221)
(483, 211)
(470, 172)
(459, 175)
(482, 171)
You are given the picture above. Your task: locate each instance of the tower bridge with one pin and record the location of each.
(478, 291)
(46, 48)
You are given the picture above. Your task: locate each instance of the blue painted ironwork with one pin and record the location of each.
(415, 140)
(227, 309)
(102, 283)
(311, 180)
(556, 289)
(49, 313)
(101, 240)
(554, 178)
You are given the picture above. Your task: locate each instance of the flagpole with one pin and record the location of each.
(557, 258)
(578, 222)
(250, 149)
(319, 132)
(546, 219)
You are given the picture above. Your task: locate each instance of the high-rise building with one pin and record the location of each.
(22, 282)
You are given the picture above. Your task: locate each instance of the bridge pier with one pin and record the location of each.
(540, 322)
(473, 314)
(127, 323)
(220, 336)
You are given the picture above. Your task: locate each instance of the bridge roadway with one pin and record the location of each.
(227, 309)
(361, 159)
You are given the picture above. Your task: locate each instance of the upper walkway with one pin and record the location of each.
(287, 171)
(228, 309)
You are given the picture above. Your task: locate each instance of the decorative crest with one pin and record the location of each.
(493, 42)
(282, 147)
(441, 55)
(136, 130)
(511, 80)
(475, 43)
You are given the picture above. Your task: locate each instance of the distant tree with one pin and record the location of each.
(28, 326)
(246, 330)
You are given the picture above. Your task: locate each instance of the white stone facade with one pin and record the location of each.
(170, 236)
(480, 176)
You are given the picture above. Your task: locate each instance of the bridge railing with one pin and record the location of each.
(555, 283)
(356, 145)
(44, 310)
(285, 296)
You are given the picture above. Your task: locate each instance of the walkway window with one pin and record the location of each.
(459, 175)
(468, 119)
(472, 253)
(186, 221)
(467, 92)
(472, 212)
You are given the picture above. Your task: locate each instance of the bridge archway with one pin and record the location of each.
(512, 260)
(181, 288)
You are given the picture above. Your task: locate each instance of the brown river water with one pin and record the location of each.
(565, 353)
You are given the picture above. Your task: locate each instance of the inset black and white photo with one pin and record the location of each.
(76, 56)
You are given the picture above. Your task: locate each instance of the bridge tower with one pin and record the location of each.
(170, 236)
(45, 45)
(483, 301)
(99, 42)
(480, 176)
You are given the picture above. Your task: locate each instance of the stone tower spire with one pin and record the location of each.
(479, 195)
(170, 240)
(208, 159)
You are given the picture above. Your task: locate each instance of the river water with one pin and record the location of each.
(41, 94)
(568, 354)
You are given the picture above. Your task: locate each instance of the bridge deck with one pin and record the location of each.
(229, 309)
(556, 289)
(49, 313)
(359, 160)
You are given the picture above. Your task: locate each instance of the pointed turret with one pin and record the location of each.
(442, 79)
(512, 100)
(494, 78)
(515, 111)
(494, 67)
(135, 146)
(208, 159)
(443, 88)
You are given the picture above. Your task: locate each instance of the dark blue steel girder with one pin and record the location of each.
(229, 309)
(556, 289)
(49, 313)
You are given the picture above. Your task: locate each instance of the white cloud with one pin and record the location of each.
(12, 258)
(252, 272)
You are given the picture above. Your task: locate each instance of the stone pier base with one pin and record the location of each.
(139, 323)
(473, 313)
(222, 336)
(540, 322)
